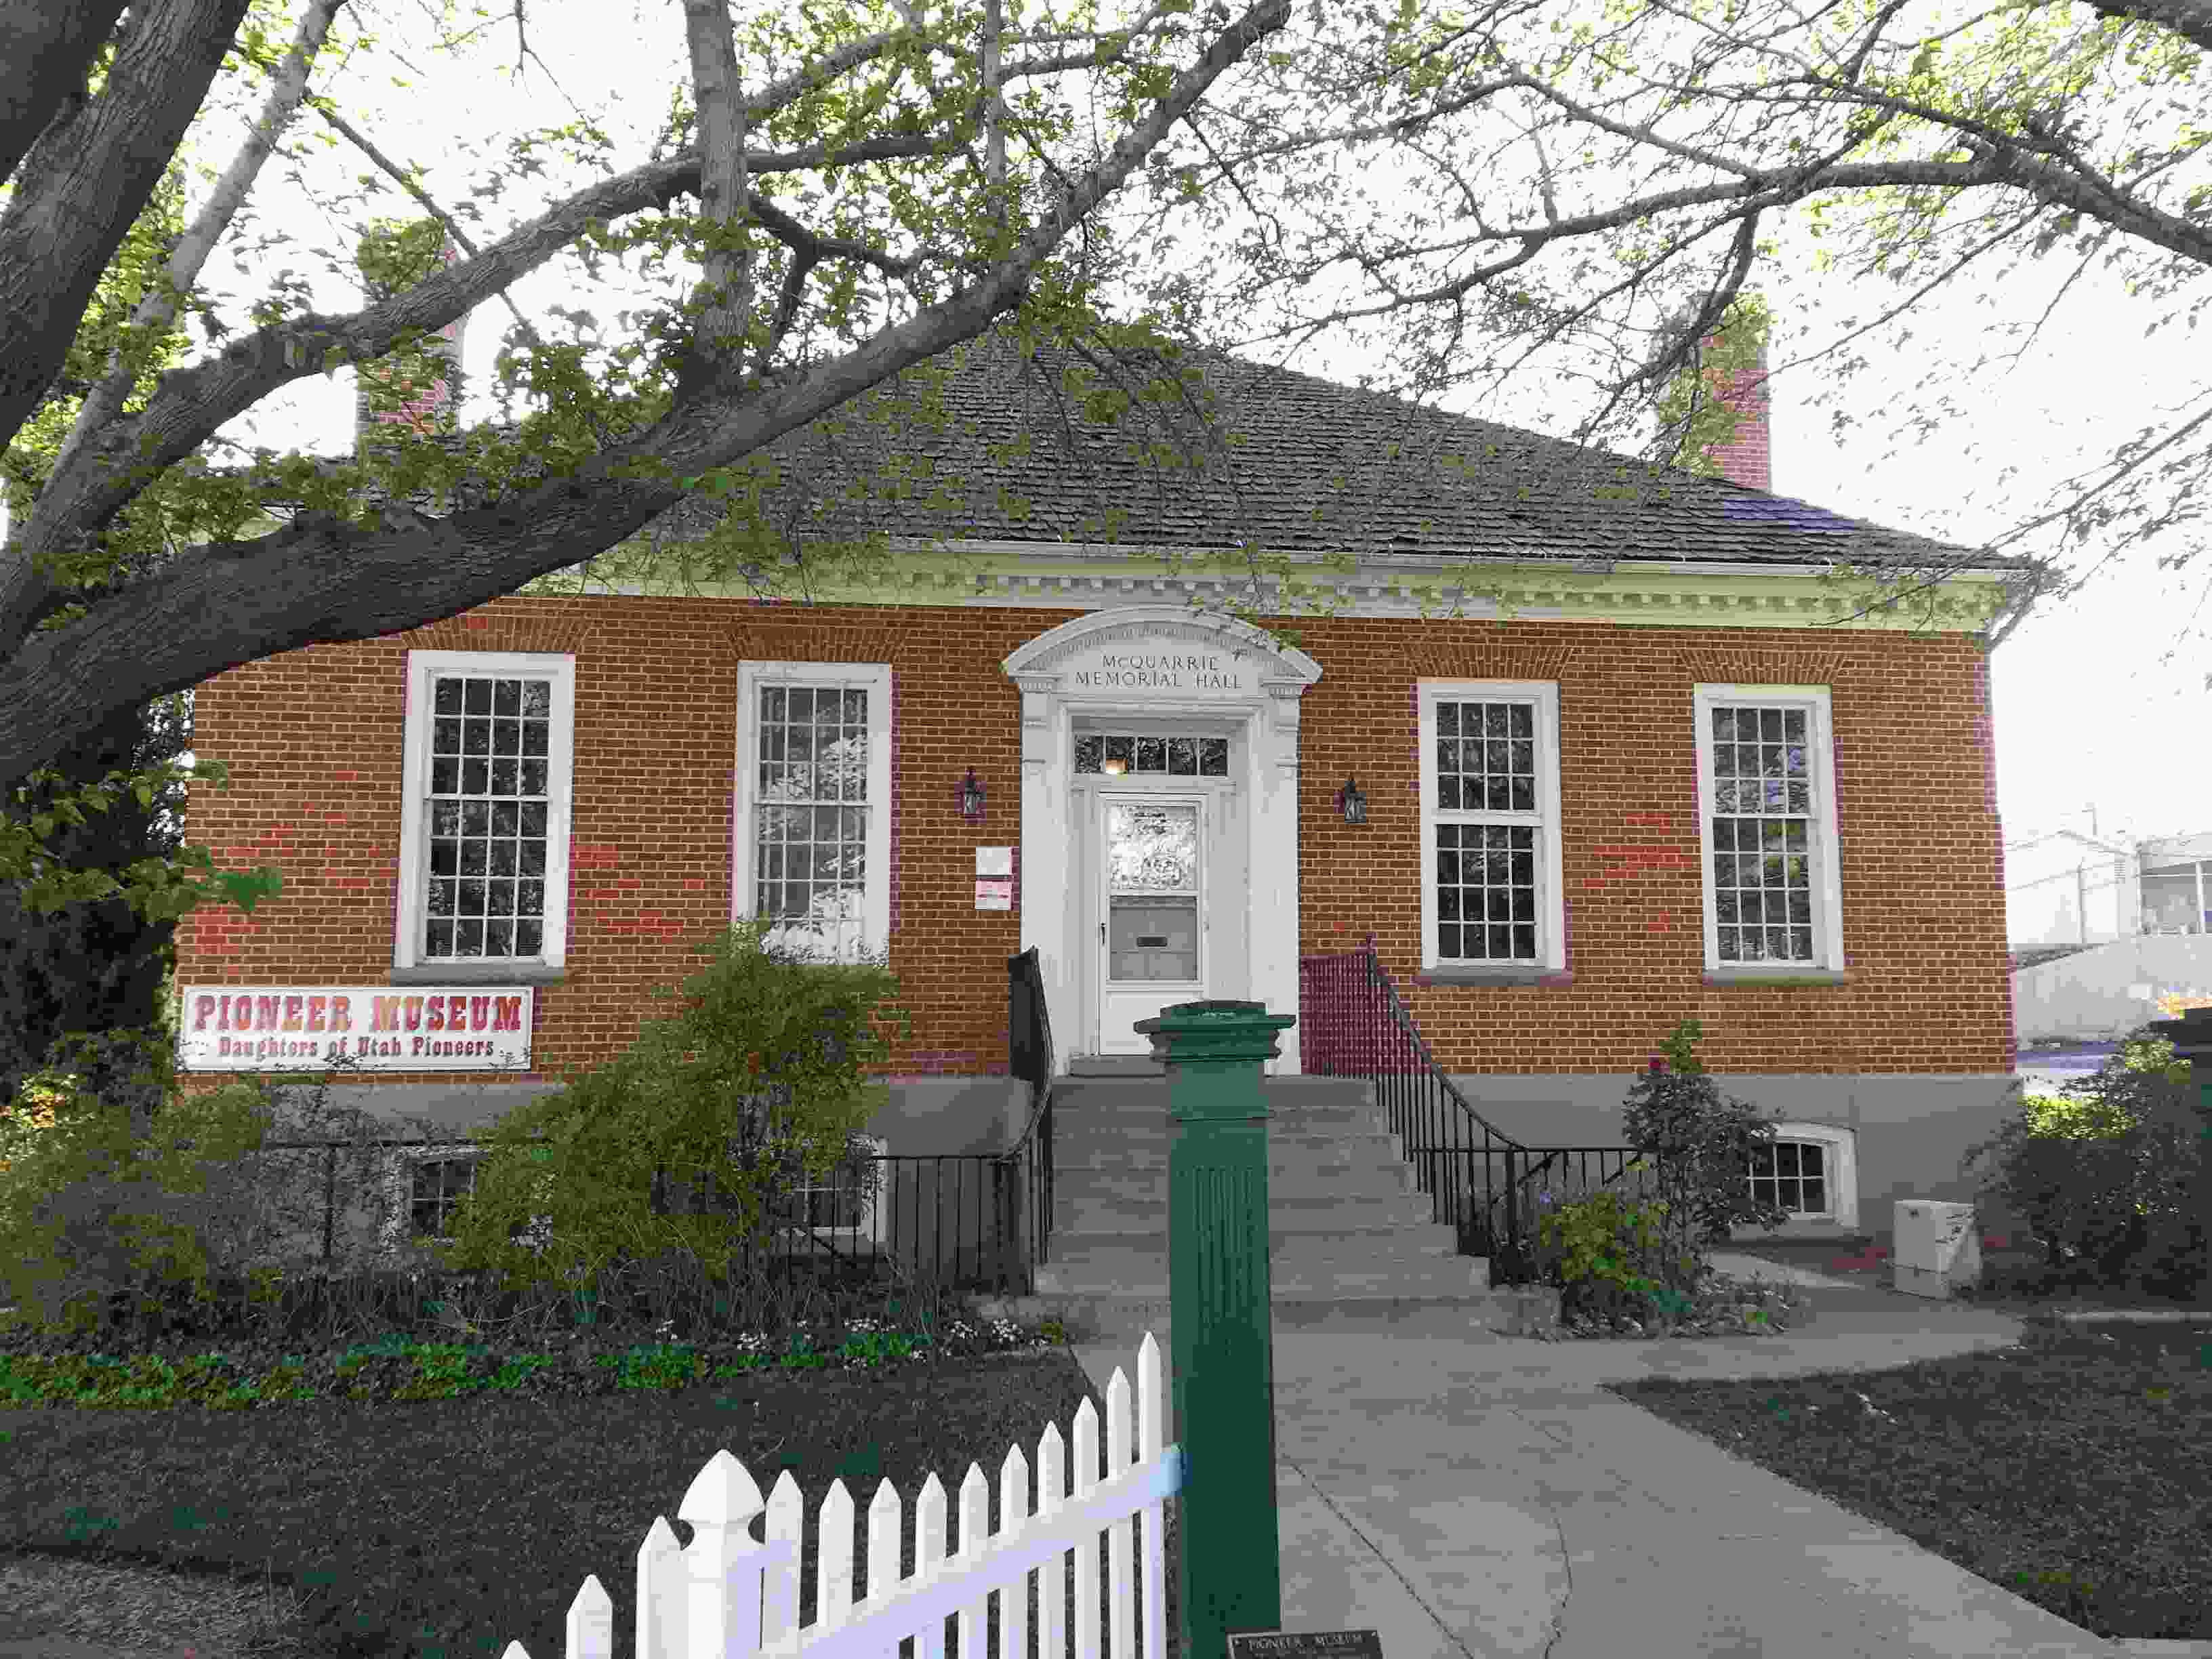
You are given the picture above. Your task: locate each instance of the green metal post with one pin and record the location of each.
(1230, 1568)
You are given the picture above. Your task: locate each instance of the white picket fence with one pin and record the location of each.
(726, 1596)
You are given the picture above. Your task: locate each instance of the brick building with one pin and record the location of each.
(1624, 759)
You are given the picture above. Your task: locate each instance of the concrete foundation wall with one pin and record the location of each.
(936, 1207)
(1906, 1133)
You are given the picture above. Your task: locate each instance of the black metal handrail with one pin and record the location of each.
(1353, 1024)
(1030, 1057)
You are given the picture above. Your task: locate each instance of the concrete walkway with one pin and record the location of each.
(1473, 1497)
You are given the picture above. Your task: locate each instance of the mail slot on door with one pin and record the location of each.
(1152, 936)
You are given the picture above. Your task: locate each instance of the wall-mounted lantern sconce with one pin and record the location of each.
(1352, 803)
(971, 798)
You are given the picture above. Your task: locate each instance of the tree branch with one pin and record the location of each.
(86, 181)
(716, 355)
(158, 308)
(195, 401)
(46, 50)
(2190, 19)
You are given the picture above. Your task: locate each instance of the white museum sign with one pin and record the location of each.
(382, 1028)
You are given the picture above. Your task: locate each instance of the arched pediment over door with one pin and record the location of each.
(1182, 869)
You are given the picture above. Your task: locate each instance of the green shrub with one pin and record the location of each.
(111, 1209)
(669, 1160)
(1606, 1257)
(2117, 1172)
(1699, 1145)
(101, 1200)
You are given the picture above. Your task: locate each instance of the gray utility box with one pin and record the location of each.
(1938, 1247)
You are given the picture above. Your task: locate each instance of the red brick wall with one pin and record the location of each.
(1922, 878)
(314, 740)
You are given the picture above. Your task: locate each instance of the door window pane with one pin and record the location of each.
(1152, 880)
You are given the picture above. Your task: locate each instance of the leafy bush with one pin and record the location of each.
(1606, 1257)
(1697, 1145)
(666, 1162)
(114, 1210)
(2117, 1172)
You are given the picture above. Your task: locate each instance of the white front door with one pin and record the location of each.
(1149, 919)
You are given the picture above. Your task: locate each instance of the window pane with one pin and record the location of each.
(1152, 848)
(1089, 752)
(1213, 757)
(1485, 873)
(485, 815)
(1761, 804)
(809, 845)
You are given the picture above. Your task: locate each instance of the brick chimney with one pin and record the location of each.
(1746, 459)
(418, 389)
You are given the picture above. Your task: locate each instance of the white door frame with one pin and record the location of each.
(1256, 693)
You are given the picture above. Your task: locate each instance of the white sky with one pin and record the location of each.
(2087, 717)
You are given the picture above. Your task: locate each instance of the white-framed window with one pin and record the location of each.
(1766, 816)
(812, 814)
(484, 827)
(846, 1206)
(425, 1185)
(1492, 894)
(1810, 1170)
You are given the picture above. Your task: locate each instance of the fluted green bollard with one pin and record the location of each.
(1230, 1565)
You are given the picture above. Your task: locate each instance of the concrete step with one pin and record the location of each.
(1142, 1116)
(1350, 1180)
(1132, 1270)
(1140, 1149)
(1425, 1238)
(1074, 1209)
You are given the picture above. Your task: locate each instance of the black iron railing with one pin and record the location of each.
(799, 1241)
(1489, 1186)
(1023, 1173)
(1002, 1257)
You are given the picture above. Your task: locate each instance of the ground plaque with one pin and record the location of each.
(1305, 1644)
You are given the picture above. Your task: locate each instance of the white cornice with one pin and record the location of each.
(1688, 594)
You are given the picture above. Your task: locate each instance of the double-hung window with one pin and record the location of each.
(813, 806)
(1491, 897)
(1767, 800)
(484, 838)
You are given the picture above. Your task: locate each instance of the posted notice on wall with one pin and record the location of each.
(994, 878)
(381, 1027)
(1305, 1644)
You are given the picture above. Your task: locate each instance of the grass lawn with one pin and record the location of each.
(2073, 1470)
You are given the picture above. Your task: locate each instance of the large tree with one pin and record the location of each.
(856, 194)
(71, 976)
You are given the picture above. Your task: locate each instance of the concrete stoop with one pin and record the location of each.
(1351, 1241)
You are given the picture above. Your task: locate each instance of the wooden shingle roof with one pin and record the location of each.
(1260, 454)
